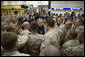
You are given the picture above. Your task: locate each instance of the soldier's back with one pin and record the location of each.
(67, 47)
(74, 51)
(51, 39)
(71, 43)
(61, 35)
(32, 46)
(64, 30)
(78, 50)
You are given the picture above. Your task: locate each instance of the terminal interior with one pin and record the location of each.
(42, 28)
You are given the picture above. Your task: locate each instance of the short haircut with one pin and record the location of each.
(33, 25)
(9, 29)
(8, 40)
(82, 34)
(69, 22)
(24, 23)
(73, 33)
(50, 22)
(69, 18)
(39, 19)
(80, 20)
(61, 18)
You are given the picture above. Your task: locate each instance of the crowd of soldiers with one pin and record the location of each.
(35, 35)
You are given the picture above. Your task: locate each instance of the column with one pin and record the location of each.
(49, 5)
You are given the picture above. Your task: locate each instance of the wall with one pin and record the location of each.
(35, 3)
(12, 2)
(54, 4)
(67, 4)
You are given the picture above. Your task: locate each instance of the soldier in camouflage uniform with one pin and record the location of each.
(51, 50)
(78, 29)
(10, 49)
(74, 51)
(60, 35)
(62, 30)
(19, 26)
(33, 44)
(81, 36)
(71, 34)
(78, 25)
(77, 50)
(51, 39)
(60, 22)
(68, 26)
(8, 23)
(22, 38)
(26, 27)
(81, 45)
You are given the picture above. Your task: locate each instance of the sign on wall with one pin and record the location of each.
(66, 8)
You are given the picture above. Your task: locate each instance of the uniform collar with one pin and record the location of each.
(10, 53)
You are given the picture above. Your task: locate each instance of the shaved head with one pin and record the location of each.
(26, 25)
(39, 19)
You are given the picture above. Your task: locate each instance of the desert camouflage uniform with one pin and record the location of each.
(10, 24)
(25, 32)
(71, 43)
(73, 27)
(33, 44)
(22, 39)
(74, 51)
(79, 28)
(63, 34)
(60, 33)
(62, 27)
(14, 53)
(65, 39)
(51, 39)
